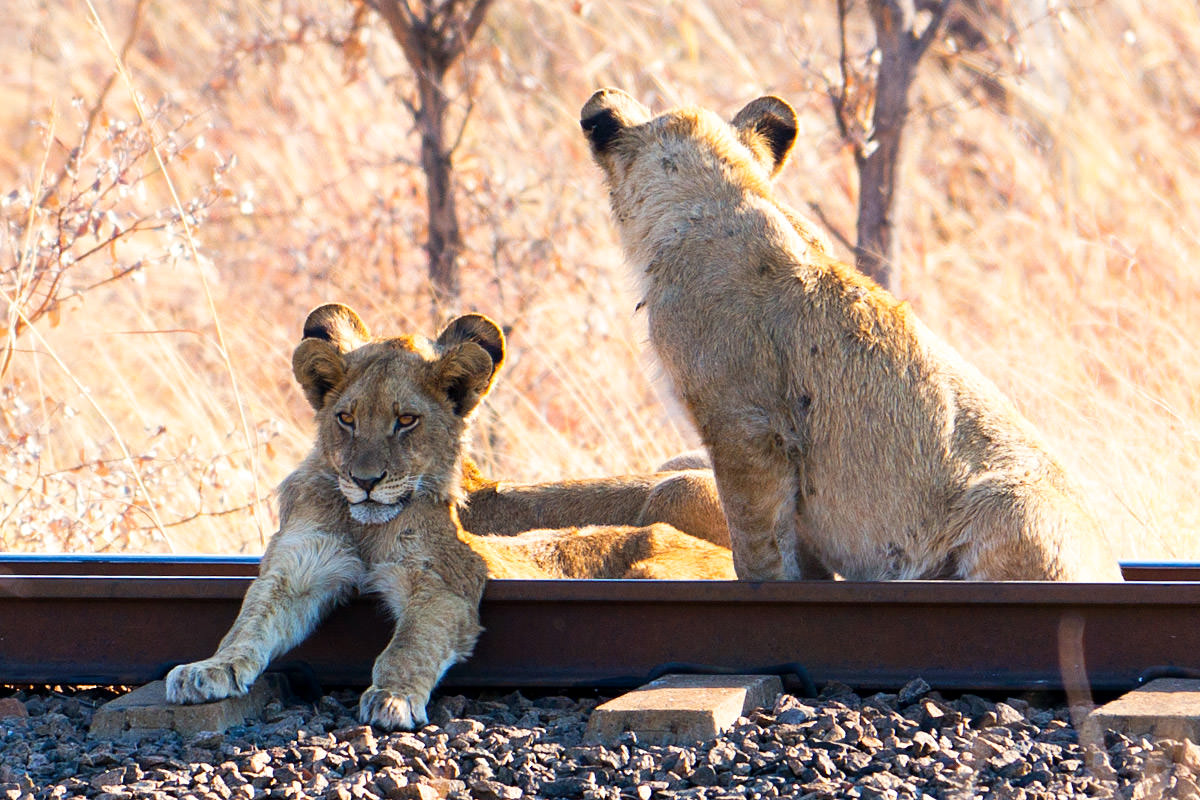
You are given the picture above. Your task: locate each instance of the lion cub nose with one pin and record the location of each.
(368, 483)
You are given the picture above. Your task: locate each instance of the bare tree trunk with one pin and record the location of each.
(878, 248)
(444, 242)
(877, 252)
(433, 35)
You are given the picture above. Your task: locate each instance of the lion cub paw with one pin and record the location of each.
(392, 711)
(208, 680)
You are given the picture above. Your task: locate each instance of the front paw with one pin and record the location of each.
(211, 679)
(390, 711)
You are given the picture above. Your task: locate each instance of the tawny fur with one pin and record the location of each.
(845, 436)
(685, 498)
(374, 508)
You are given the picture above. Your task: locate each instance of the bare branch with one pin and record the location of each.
(403, 24)
(830, 226)
(934, 28)
(879, 165)
(433, 36)
(471, 26)
(839, 99)
(245, 508)
(135, 27)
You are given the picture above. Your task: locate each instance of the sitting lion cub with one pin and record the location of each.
(845, 436)
(373, 507)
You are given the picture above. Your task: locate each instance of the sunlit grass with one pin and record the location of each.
(1050, 233)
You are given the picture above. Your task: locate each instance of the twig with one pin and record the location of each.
(839, 99)
(17, 503)
(14, 310)
(135, 25)
(815, 207)
(251, 443)
(247, 507)
(151, 511)
(938, 14)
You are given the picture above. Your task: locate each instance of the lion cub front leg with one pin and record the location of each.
(300, 578)
(758, 487)
(436, 627)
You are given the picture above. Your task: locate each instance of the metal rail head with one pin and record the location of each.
(127, 620)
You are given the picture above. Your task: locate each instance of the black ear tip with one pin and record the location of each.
(778, 129)
(488, 335)
(333, 321)
(774, 123)
(601, 128)
(316, 325)
(477, 329)
(317, 333)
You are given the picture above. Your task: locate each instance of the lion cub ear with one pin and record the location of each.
(338, 325)
(329, 331)
(318, 367)
(768, 127)
(478, 329)
(472, 349)
(607, 112)
(464, 375)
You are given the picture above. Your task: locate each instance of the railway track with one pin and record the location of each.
(126, 620)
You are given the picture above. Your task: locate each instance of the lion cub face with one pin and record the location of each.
(384, 405)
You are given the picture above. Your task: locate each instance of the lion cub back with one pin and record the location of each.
(604, 551)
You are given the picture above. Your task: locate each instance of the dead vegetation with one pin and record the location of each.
(1049, 231)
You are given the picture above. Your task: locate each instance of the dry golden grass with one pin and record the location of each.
(1050, 232)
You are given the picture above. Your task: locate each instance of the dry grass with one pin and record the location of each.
(1050, 233)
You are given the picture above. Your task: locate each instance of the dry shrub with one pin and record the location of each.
(1049, 232)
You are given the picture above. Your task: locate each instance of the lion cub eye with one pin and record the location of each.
(346, 419)
(404, 422)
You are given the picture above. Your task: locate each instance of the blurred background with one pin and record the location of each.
(180, 183)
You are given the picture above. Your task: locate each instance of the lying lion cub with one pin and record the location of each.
(373, 507)
(684, 496)
(845, 436)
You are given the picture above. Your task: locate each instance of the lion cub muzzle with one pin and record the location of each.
(379, 498)
(368, 483)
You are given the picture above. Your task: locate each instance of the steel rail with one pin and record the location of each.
(102, 620)
(200, 565)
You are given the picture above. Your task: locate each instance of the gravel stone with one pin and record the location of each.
(1007, 715)
(913, 690)
(12, 707)
(904, 746)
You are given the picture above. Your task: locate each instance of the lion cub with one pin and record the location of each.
(845, 436)
(373, 507)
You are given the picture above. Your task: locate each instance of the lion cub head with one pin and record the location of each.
(681, 146)
(686, 175)
(391, 413)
